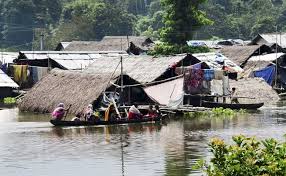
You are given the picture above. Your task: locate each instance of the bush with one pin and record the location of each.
(166, 49)
(246, 157)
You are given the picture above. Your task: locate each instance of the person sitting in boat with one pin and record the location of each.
(59, 112)
(134, 113)
(151, 112)
(88, 113)
(77, 117)
(110, 113)
(233, 96)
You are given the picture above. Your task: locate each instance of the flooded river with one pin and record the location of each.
(31, 146)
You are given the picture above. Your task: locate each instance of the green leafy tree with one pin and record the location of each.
(182, 18)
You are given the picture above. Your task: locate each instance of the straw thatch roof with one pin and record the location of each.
(113, 43)
(143, 69)
(82, 46)
(240, 54)
(69, 87)
(255, 88)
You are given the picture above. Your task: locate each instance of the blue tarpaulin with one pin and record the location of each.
(267, 74)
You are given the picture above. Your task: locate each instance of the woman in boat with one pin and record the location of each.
(88, 113)
(134, 113)
(59, 112)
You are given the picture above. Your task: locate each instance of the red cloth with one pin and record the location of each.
(131, 116)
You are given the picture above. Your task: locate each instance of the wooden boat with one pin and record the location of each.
(89, 123)
(253, 106)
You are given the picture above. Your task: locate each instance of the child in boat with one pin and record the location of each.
(58, 112)
(157, 110)
(77, 117)
(134, 113)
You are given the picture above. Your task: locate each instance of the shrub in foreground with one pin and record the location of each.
(247, 156)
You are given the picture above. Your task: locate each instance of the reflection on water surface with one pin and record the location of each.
(30, 145)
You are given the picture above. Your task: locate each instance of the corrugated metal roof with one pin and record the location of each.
(6, 81)
(267, 57)
(71, 60)
(280, 39)
(212, 58)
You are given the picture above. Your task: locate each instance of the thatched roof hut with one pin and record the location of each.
(69, 87)
(255, 88)
(144, 69)
(133, 44)
(240, 54)
(78, 89)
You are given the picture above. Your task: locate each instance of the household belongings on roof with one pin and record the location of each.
(216, 44)
(78, 89)
(270, 38)
(132, 44)
(217, 61)
(63, 59)
(6, 85)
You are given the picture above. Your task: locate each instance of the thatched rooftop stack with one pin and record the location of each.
(143, 69)
(255, 88)
(111, 43)
(240, 54)
(68, 87)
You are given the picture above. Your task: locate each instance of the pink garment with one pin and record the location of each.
(58, 113)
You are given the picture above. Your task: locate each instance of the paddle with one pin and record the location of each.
(67, 111)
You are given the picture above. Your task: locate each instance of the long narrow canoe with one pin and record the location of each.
(87, 123)
(251, 106)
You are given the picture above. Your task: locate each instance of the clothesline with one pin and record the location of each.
(146, 84)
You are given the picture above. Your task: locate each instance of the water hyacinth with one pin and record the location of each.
(215, 112)
(9, 100)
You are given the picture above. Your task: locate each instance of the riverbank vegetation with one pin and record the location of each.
(23, 21)
(247, 156)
